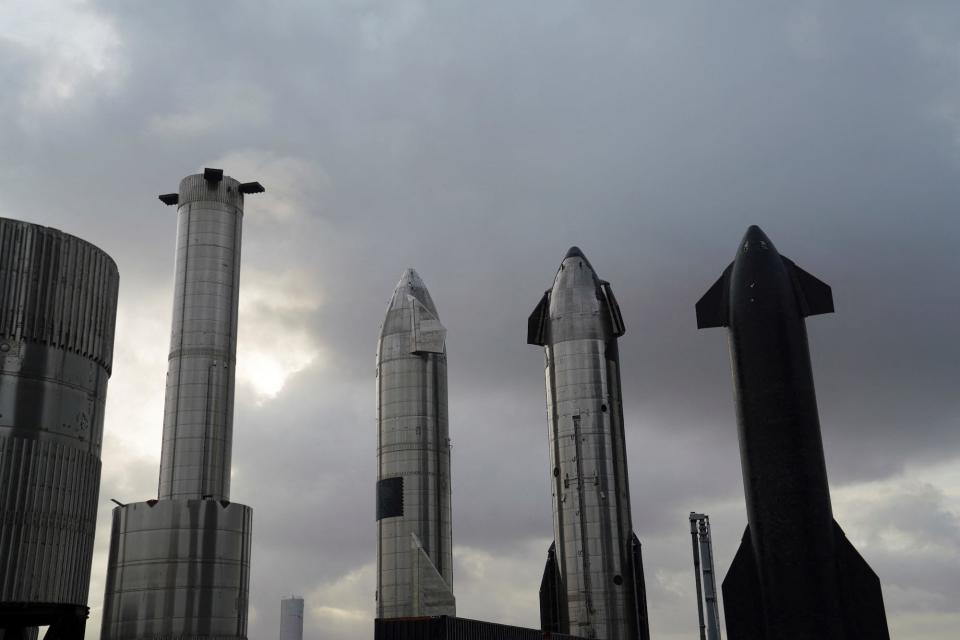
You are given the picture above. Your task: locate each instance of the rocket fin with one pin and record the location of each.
(742, 605)
(860, 594)
(427, 334)
(553, 597)
(639, 589)
(713, 309)
(814, 295)
(537, 323)
(616, 319)
(431, 594)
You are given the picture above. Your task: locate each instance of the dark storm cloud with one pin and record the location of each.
(476, 143)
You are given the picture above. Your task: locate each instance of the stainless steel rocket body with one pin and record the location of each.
(198, 414)
(414, 532)
(179, 567)
(578, 323)
(58, 302)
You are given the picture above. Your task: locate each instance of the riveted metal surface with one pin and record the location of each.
(58, 300)
(591, 506)
(178, 569)
(413, 444)
(198, 413)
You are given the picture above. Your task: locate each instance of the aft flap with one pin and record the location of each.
(814, 295)
(742, 607)
(639, 589)
(713, 309)
(860, 595)
(537, 323)
(553, 597)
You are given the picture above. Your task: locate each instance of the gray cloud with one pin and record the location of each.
(476, 143)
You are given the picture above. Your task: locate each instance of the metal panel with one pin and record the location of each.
(178, 569)
(414, 453)
(58, 300)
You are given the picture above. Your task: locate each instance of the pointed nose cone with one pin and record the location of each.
(412, 285)
(576, 256)
(756, 240)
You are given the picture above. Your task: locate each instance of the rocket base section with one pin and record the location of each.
(861, 597)
(178, 569)
(431, 594)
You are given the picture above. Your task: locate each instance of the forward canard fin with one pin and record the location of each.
(713, 309)
(537, 323)
(813, 295)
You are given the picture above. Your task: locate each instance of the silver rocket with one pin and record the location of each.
(593, 583)
(414, 533)
(179, 566)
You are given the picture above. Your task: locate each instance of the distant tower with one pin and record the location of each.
(58, 306)
(414, 536)
(291, 619)
(593, 583)
(179, 567)
(706, 580)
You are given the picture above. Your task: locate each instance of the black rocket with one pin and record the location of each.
(795, 575)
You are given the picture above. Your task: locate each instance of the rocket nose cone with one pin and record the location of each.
(756, 240)
(574, 253)
(411, 284)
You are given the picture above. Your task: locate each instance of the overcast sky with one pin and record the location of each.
(477, 141)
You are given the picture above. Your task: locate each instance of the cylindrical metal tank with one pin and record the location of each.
(291, 619)
(58, 304)
(198, 413)
(178, 569)
(414, 532)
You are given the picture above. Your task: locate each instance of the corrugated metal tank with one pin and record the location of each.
(58, 304)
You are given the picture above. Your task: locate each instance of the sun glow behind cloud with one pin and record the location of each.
(274, 342)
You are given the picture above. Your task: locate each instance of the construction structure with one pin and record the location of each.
(708, 610)
(58, 308)
(414, 527)
(179, 566)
